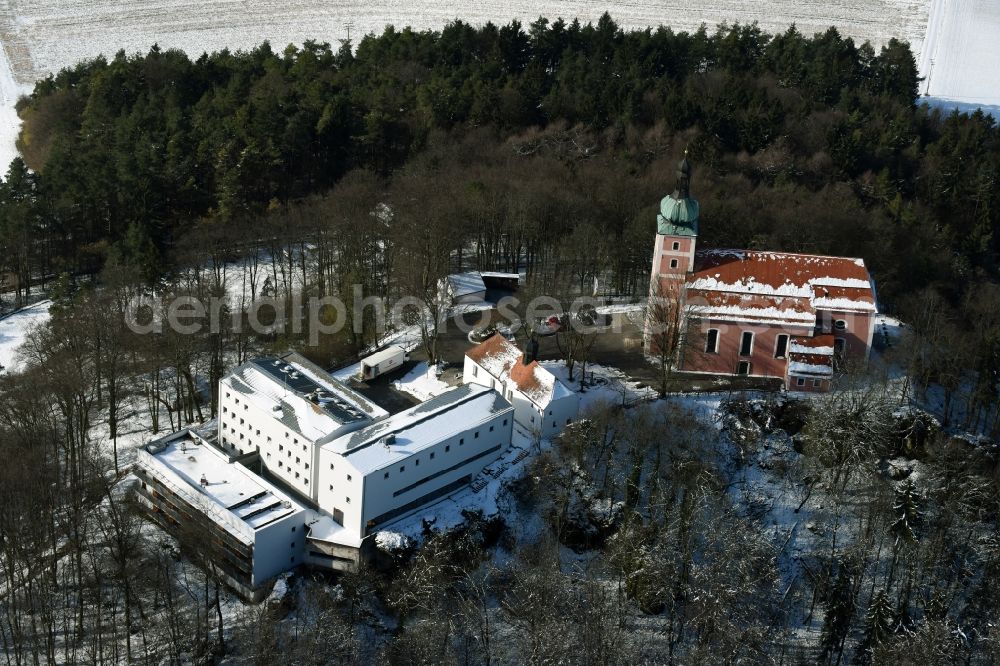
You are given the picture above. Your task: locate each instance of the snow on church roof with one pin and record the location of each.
(812, 357)
(502, 359)
(776, 287)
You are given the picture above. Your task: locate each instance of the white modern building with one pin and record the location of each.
(543, 405)
(285, 409)
(393, 467)
(248, 528)
(335, 467)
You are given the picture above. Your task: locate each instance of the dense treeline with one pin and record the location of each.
(805, 143)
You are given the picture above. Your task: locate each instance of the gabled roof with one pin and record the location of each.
(776, 287)
(503, 360)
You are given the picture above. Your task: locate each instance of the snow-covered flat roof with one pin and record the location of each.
(459, 410)
(301, 396)
(232, 495)
(323, 528)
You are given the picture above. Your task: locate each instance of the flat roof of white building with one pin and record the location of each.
(300, 395)
(232, 495)
(404, 434)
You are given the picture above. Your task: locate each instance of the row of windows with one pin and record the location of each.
(416, 461)
(747, 339)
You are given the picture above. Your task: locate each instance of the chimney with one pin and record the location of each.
(204, 481)
(530, 351)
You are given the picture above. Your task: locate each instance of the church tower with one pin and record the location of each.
(676, 233)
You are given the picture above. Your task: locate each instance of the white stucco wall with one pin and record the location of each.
(278, 548)
(467, 452)
(545, 421)
(339, 482)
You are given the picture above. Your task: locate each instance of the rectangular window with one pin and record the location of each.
(673, 263)
(816, 383)
(447, 448)
(743, 368)
(800, 381)
(476, 435)
(475, 370)
(338, 516)
(746, 343)
(386, 475)
(781, 346)
(432, 455)
(712, 341)
(348, 477)
(491, 427)
(676, 245)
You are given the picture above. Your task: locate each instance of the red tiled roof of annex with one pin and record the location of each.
(501, 357)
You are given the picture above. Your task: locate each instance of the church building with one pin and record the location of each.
(798, 317)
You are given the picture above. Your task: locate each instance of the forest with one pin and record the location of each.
(382, 166)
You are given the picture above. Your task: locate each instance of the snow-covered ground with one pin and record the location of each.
(421, 382)
(42, 36)
(14, 329)
(10, 124)
(960, 57)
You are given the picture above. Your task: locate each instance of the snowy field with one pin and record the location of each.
(960, 61)
(42, 36)
(14, 329)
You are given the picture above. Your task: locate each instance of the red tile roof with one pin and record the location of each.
(501, 357)
(776, 287)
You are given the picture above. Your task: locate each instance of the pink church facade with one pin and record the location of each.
(797, 317)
